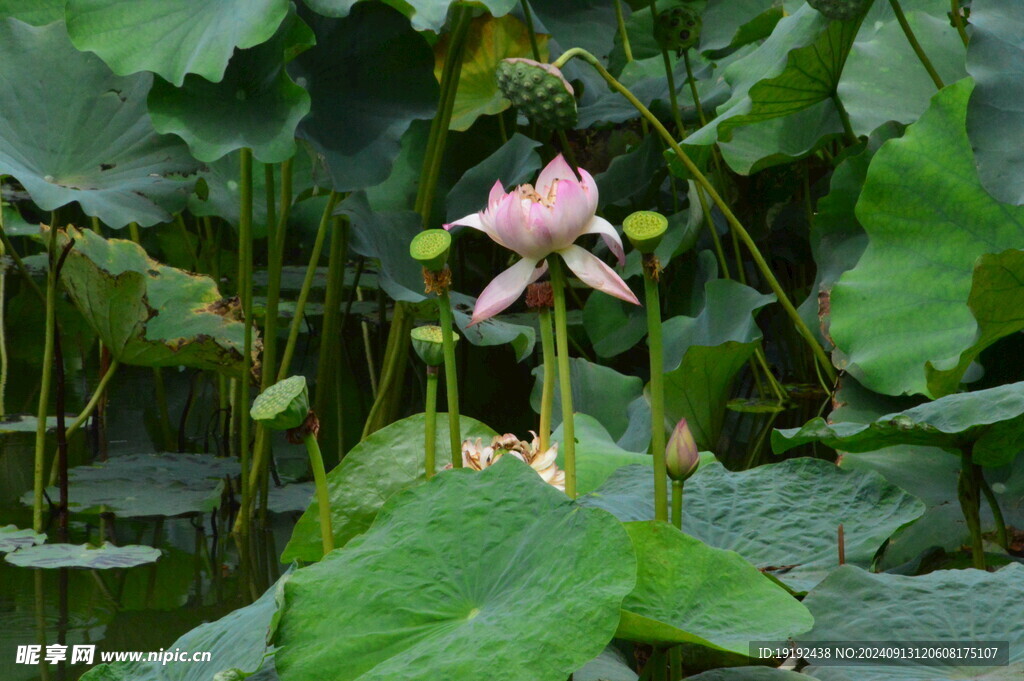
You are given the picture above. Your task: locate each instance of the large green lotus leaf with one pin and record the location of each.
(492, 331)
(369, 76)
(597, 391)
(703, 354)
(36, 12)
(946, 605)
(996, 298)
(883, 80)
(769, 82)
(630, 173)
(613, 326)
(171, 37)
(147, 485)
(425, 15)
(147, 313)
(49, 556)
(73, 131)
(255, 105)
(983, 418)
(489, 41)
(385, 235)
(237, 641)
(514, 163)
(610, 665)
(781, 517)
(12, 539)
(598, 456)
(994, 115)
(457, 578)
(732, 23)
(589, 24)
(928, 220)
(689, 592)
(388, 461)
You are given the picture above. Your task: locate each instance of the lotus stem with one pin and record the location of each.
(652, 301)
(20, 264)
(558, 285)
(430, 426)
(734, 223)
(547, 395)
(39, 466)
(958, 21)
(997, 513)
(675, 664)
(316, 462)
(970, 503)
(915, 45)
(451, 377)
(330, 338)
(670, 78)
(677, 503)
(623, 34)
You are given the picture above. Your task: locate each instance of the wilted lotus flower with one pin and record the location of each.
(681, 455)
(478, 457)
(538, 221)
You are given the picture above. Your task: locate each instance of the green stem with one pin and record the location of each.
(547, 343)
(673, 96)
(653, 304)
(20, 264)
(677, 503)
(326, 379)
(245, 251)
(528, 16)
(623, 34)
(570, 155)
(844, 117)
(675, 664)
(958, 21)
(392, 371)
(39, 467)
(307, 285)
(97, 395)
(730, 217)
(558, 284)
(912, 39)
(316, 462)
(997, 513)
(970, 503)
(451, 380)
(430, 428)
(693, 88)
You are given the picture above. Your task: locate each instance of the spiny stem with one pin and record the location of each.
(558, 284)
(316, 462)
(430, 427)
(915, 45)
(654, 343)
(451, 377)
(547, 344)
(730, 217)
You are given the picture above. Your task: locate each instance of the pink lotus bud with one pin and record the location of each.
(681, 455)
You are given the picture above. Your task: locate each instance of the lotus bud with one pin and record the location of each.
(430, 248)
(540, 90)
(282, 406)
(428, 344)
(645, 228)
(677, 28)
(681, 454)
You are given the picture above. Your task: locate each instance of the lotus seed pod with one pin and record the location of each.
(282, 406)
(678, 28)
(840, 10)
(430, 248)
(644, 230)
(681, 454)
(428, 343)
(539, 90)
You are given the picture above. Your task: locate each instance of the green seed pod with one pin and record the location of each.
(428, 343)
(840, 10)
(430, 248)
(644, 229)
(678, 28)
(539, 90)
(282, 406)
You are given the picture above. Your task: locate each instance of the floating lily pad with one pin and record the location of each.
(781, 517)
(12, 539)
(946, 605)
(147, 485)
(388, 461)
(171, 37)
(688, 592)
(147, 313)
(49, 556)
(986, 419)
(236, 642)
(463, 561)
(101, 150)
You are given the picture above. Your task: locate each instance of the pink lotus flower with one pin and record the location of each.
(536, 222)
